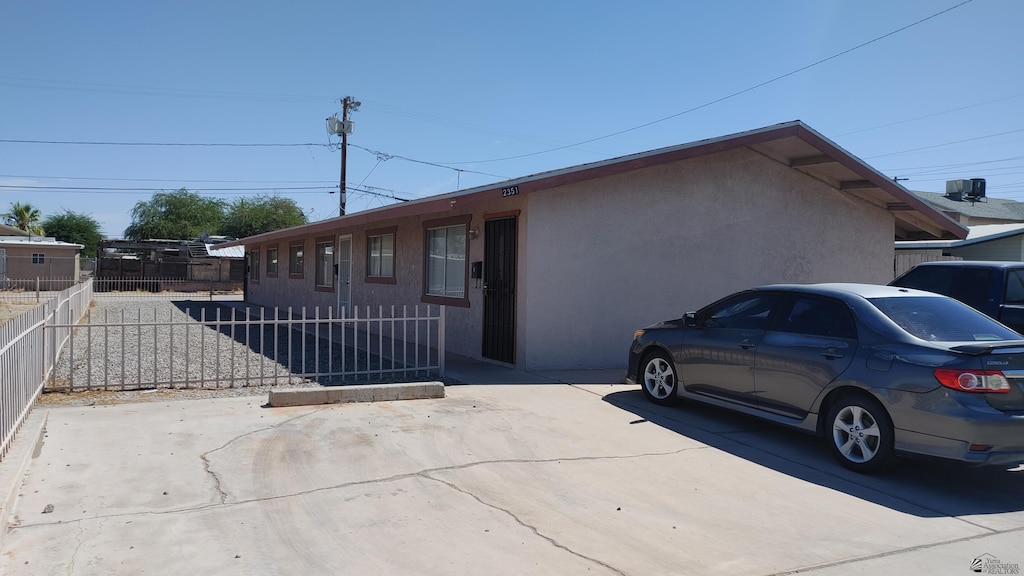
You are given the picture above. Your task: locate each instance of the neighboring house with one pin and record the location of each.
(6, 230)
(985, 210)
(31, 261)
(985, 242)
(165, 264)
(556, 270)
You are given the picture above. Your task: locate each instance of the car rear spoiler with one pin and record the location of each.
(1000, 347)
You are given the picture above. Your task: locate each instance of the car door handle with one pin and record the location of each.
(746, 344)
(832, 354)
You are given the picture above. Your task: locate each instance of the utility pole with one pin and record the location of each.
(343, 128)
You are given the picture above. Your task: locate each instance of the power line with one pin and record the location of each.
(933, 115)
(724, 98)
(159, 179)
(945, 144)
(382, 156)
(152, 91)
(184, 144)
(115, 189)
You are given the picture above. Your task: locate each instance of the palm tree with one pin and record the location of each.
(24, 217)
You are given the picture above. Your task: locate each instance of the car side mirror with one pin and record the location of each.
(690, 319)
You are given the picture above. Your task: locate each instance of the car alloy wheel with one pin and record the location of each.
(861, 433)
(659, 379)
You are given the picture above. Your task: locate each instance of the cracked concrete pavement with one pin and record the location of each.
(520, 479)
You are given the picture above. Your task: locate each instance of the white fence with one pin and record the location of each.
(906, 261)
(210, 345)
(29, 343)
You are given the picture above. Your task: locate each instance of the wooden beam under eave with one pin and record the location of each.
(811, 161)
(913, 220)
(857, 185)
(898, 207)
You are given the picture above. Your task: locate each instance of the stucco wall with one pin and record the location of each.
(1011, 249)
(58, 263)
(597, 260)
(614, 255)
(464, 325)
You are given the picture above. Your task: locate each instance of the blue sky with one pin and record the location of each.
(484, 89)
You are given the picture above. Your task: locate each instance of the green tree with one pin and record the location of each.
(178, 215)
(76, 228)
(24, 217)
(261, 214)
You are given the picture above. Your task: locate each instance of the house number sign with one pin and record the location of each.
(510, 191)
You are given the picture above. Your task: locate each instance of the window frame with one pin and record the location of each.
(320, 272)
(301, 259)
(427, 298)
(380, 233)
(273, 248)
(39, 258)
(254, 266)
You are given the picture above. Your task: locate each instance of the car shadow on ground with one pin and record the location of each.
(926, 488)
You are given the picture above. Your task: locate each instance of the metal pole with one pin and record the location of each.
(344, 150)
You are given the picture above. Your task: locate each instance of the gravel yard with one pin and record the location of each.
(161, 349)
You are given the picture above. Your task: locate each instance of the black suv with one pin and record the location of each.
(995, 288)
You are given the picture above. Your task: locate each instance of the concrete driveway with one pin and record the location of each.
(552, 479)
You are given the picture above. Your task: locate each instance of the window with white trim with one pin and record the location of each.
(38, 258)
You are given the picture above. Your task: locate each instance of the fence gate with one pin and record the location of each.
(188, 344)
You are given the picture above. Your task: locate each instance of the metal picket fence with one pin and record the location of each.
(146, 289)
(29, 344)
(216, 345)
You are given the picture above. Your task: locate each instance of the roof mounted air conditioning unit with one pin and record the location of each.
(964, 189)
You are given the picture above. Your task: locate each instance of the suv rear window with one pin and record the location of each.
(942, 320)
(937, 279)
(1014, 287)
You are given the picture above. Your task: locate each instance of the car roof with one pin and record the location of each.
(974, 263)
(846, 289)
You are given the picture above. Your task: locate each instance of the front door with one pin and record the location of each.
(344, 273)
(500, 289)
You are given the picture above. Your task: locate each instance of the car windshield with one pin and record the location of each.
(942, 320)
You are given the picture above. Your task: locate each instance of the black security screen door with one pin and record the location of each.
(500, 289)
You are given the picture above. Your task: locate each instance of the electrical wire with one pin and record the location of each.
(162, 179)
(933, 115)
(183, 144)
(150, 91)
(115, 189)
(945, 144)
(435, 164)
(727, 97)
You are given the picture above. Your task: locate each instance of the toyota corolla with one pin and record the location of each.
(875, 370)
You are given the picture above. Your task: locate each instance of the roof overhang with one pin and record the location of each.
(793, 144)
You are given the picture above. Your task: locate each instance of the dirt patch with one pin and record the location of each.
(9, 310)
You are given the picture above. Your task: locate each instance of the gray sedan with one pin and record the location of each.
(876, 370)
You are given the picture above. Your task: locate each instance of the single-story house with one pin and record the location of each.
(7, 230)
(975, 211)
(31, 261)
(985, 242)
(556, 270)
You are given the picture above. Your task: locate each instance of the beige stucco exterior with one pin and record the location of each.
(614, 255)
(54, 264)
(600, 258)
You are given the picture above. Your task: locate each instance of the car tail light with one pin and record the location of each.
(973, 380)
